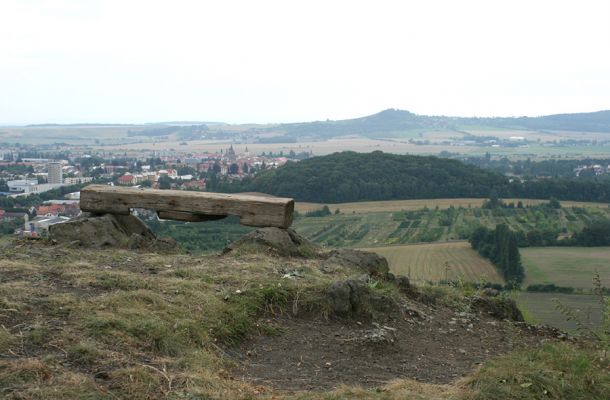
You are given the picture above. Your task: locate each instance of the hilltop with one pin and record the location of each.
(256, 323)
(390, 122)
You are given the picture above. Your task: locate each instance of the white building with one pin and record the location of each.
(55, 176)
(26, 187)
(23, 186)
(77, 180)
(40, 225)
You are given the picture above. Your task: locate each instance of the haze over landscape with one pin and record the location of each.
(304, 200)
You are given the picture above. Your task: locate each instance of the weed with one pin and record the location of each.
(556, 371)
(601, 334)
(6, 340)
(38, 335)
(84, 353)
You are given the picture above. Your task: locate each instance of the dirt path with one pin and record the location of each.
(437, 346)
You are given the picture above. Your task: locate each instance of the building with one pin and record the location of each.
(23, 186)
(195, 185)
(40, 225)
(6, 216)
(77, 180)
(55, 176)
(126, 179)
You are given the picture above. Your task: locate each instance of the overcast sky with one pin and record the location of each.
(279, 61)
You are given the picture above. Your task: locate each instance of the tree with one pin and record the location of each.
(233, 169)
(554, 203)
(165, 182)
(500, 246)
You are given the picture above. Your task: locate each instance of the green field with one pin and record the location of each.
(541, 308)
(71, 134)
(352, 228)
(566, 266)
(410, 205)
(439, 261)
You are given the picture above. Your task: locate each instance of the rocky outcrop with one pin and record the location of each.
(109, 230)
(277, 241)
(357, 260)
(498, 307)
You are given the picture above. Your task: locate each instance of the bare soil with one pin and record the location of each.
(435, 345)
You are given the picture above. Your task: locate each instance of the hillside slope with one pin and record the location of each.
(108, 324)
(390, 122)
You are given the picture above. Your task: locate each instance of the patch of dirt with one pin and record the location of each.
(435, 345)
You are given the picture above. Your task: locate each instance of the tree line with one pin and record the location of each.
(350, 176)
(500, 246)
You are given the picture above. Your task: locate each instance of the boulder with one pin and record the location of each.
(349, 297)
(403, 283)
(498, 307)
(283, 242)
(108, 230)
(363, 261)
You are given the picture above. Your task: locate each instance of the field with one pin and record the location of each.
(566, 266)
(71, 134)
(376, 224)
(318, 147)
(439, 261)
(541, 308)
(407, 205)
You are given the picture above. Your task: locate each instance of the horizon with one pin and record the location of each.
(212, 122)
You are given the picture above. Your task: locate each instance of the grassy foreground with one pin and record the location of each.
(83, 324)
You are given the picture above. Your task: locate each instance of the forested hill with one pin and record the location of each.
(350, 176)
(391, 122)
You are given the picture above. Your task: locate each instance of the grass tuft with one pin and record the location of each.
(556, 371)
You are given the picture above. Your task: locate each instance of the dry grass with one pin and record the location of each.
(439, 261)
(82, 324)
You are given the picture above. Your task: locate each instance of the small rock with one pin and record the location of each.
(491, 292)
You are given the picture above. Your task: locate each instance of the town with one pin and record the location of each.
(41, 188)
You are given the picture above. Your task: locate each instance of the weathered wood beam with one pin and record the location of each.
(176, 204)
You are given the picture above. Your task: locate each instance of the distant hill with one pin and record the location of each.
(391, 122)
(350, 176)
(587, 122)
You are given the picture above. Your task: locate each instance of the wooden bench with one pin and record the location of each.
(260, 211)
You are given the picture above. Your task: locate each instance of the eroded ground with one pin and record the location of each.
(430, 344)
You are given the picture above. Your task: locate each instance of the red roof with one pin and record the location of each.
(125, 179)
(50, 209)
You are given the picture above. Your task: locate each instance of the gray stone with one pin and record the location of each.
(108, 230)
(491, 292)
(403, 282)
(283, 242)
(349, 297)
(498, 307)
(364, 261)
